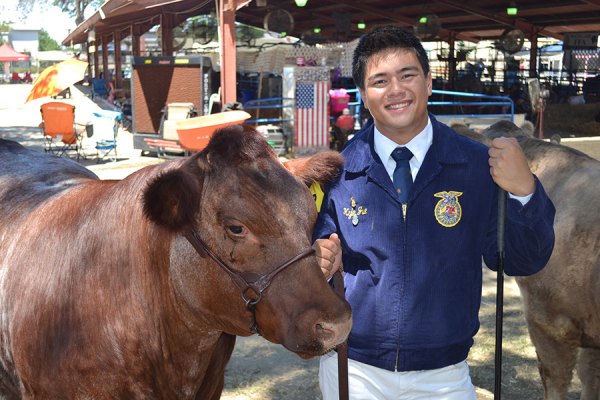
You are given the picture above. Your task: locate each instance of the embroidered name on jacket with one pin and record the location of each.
(448, 210)
(353, 213)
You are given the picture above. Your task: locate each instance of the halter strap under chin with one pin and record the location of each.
(246, 281)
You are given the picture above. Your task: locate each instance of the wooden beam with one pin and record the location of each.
(500, 18)
(96, 66)
(399, 19)
(118, 75)
(135, 39)
(166, 29)
(105, 39)
(227, 10)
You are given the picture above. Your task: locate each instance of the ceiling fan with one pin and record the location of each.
(427, 27)
(202, 30)
(278, 23)
(511, 40)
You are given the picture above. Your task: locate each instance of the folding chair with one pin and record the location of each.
(108, 147)
(99, 87)
(61, 133)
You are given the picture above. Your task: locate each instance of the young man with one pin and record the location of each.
(412, 251)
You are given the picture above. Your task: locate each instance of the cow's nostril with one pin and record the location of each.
(324, 331)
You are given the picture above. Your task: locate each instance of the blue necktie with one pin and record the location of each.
(402, 177)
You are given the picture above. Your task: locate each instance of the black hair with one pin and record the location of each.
(384, 38)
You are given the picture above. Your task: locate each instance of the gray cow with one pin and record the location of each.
(562, 302)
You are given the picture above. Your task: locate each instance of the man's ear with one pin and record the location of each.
(429, 84)
(322, 167)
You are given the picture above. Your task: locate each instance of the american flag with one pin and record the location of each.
(312, 114)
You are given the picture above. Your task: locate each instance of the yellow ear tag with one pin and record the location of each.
(318, 194)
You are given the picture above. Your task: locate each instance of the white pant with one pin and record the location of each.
(372, 383)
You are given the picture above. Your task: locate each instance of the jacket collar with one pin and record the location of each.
(444, 149)
(361, 158)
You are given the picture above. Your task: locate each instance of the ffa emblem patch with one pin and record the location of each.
(353, 213)
(448, 210)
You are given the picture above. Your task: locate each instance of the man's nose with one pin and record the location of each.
(397, 86)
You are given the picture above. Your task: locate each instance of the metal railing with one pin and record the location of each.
(486, 101)
(271, 103)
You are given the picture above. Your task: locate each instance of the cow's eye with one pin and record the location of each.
(237, 230)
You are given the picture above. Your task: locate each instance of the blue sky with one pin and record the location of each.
(51, 19)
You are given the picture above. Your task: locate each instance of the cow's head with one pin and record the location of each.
(253, 215)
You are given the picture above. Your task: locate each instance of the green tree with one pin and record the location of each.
(75, 8)
(4, 27)
(46, 42)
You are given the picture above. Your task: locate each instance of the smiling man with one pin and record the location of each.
(412, 214)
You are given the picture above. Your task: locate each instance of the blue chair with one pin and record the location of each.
(108, 147)
(99, 86)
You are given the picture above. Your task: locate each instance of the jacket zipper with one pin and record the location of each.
(404, 207)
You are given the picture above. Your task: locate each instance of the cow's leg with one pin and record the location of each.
(588, 370)
(214, 379)
(557, 355)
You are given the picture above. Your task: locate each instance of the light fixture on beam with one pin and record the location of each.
(301, 3)
(512, 9)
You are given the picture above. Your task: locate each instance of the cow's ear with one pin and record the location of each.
(322, 167)
(172, 199)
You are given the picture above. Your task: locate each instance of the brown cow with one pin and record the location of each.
(134, 289)
(562, 302)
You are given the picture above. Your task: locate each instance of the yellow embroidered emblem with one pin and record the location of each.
(318, 194)
(448, 210)
(353, 213)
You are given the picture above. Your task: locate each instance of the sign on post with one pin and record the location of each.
(581, 41)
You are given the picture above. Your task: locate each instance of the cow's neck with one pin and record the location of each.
(552, 164)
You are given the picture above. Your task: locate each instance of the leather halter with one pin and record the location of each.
(246, 281)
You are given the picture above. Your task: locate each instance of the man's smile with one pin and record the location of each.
(398, 106)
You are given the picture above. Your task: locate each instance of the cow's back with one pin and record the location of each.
(28, 177)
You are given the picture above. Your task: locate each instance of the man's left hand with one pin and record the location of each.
(509, 168)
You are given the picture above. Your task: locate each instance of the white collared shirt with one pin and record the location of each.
(419, 145)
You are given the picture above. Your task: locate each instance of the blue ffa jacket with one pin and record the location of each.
(414, 284)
